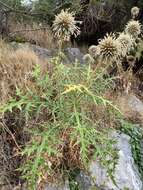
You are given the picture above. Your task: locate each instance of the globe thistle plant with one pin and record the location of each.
(126, 42)
(133, 28)
(94, 51)
(135, 12)
(64, 26)
(110, 48)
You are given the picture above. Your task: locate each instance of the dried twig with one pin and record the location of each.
(10, 133)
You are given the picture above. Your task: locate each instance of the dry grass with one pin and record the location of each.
(15, 69)
(33, 34)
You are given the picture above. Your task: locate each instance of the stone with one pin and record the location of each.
(71, 54)
(126, 173)
(43, 53)
(84, 181)
(74, 54)
(131, 107)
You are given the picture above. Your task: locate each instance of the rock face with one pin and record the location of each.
(131, 106)
(126, 173)
(43, 53)
(74, 54)
(71, 54)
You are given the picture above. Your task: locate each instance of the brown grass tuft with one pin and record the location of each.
(33, 34)
(15, 69)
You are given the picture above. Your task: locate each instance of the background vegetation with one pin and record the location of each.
(98, 17)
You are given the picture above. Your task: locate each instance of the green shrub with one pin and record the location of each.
(136, 135)
(67, 116)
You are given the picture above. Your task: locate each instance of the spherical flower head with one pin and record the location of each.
(94, 51)
(133, 28)
(135, 12)
(110, 48)
(87, 58)
(64, 25)
(126, 42)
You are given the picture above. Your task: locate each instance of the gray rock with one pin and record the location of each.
(71, 54)
(84, 181)
(135, 104)
(126, 173)
(74, 54)
(43, 53)
(131, 107)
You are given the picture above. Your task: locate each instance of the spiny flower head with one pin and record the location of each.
(94, 51)
(64, 25)
(110, 48)
(133, 28)
(135, 12)
(126, 42)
